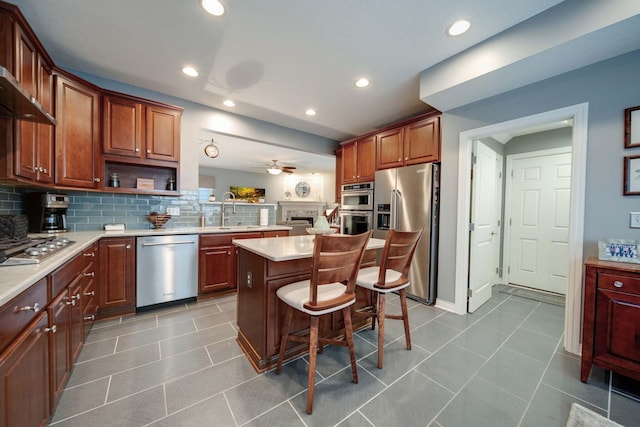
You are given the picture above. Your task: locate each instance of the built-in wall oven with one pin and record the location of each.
(356, 209)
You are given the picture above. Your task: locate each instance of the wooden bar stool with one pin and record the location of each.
(334, 267)
(392, 275)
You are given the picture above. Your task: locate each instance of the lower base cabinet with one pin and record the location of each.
(24, 377)
(117, 276)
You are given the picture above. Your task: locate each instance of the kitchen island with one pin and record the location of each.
(265, 265)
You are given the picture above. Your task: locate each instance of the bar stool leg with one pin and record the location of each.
(381, 316)
(313, 349)
(348, 335)
(405, 317)
(374, 310)
(285, 337)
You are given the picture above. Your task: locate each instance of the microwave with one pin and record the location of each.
(357, 196)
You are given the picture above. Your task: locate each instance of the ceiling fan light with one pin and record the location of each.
(274, 171)
(214, 7)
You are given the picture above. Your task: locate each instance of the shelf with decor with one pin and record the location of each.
(129, 173)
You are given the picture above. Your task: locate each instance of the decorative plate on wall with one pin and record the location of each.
(303, 189)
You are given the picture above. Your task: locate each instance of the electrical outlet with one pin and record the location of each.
(634, 219)
(173, 211)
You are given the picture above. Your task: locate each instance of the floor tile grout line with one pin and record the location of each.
(226, 400)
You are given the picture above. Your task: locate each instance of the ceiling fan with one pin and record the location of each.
(275, 169)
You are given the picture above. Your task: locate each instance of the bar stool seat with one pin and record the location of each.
(391, 276)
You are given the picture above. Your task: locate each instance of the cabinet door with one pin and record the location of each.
(162, 133)
(122, 127)
(24, 377)
(44, 137)
(349, 163)
(76, 337)
(60, 363)
(389, 149)
(117, 273)
(617, 328)
(217, 269)
(366, 159)
(77, 144)
(422, 141)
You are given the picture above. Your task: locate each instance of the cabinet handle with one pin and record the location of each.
(96, 179)
(399, 160)
(44, 170)
(90, 294)
(618, 284)
(229, 253)
(72, 302)
(148, 151)
(92, 274)
(90, 317)
(35, 307)
(78, 296)
(128, 247)
(137, 150)
(52, 329)
(91, 254)
(34, 168)
(40, 169)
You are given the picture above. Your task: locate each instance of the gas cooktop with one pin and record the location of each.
(31, 250)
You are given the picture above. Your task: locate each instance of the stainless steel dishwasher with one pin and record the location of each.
(166, 268)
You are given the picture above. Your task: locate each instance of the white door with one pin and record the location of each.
(486, 208)
(539, 188)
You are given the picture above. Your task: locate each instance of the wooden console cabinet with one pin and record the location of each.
(611, 324)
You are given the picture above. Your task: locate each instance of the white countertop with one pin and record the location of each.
(288, 248)
(15, 279)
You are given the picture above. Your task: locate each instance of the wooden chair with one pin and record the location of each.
(334, 267)
(392, 275)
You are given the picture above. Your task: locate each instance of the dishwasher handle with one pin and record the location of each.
(184, 242)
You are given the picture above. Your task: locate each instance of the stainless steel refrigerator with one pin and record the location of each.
(406, 199)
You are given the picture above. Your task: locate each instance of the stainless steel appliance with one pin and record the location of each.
(166, 269)
(357, 197)
(356, 209)
(47, 212)
(406, 199)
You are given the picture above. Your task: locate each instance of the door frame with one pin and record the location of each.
(579, 114)
(506, 254)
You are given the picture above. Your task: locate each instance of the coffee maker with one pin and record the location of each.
(47, 212)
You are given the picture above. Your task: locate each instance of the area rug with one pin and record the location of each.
(583, 417)
(548, 298)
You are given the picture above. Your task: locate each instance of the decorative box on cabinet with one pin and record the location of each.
(77, 142)
(611, 326)
(358, 160)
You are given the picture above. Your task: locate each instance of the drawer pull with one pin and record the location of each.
(52, 329)
(90, 317)
(35, 308)
(618, 284)
(76, 297)
(91, 254)
(92, 274)
(72, 302)
(90, 294)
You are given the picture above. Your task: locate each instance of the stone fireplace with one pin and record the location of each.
(297, 210)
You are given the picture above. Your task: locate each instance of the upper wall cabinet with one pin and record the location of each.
(358, 160)
(134, 128)
(77, 143)
(411, 144)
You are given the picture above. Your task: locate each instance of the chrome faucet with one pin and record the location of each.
(222, 217)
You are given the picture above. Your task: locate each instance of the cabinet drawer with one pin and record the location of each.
(64, 275)
(18, 312)
(208, 240)
(619, 282)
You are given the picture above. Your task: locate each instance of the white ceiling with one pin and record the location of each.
(276, 58)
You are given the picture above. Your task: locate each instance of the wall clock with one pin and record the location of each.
(211, 150)
(303, 189)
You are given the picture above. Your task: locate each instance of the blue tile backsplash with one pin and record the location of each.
(89, 211)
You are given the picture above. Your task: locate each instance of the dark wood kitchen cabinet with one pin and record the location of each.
(117, 276)
(611, 324)
(90, 278)
(24, 377)
(411, 144)
(77, 141)
(217, 262)
(358, 160)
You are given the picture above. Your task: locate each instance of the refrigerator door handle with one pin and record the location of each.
(395, 194)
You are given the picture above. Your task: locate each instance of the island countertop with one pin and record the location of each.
(289, 248)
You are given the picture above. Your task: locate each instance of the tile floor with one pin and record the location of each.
(180, 366)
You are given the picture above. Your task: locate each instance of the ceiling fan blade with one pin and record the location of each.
(289, 167)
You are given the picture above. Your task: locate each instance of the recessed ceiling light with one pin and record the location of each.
(214, 7)
(190, 71)
(459, 27)
(229, 103)
(362, 82)
(310, 112)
